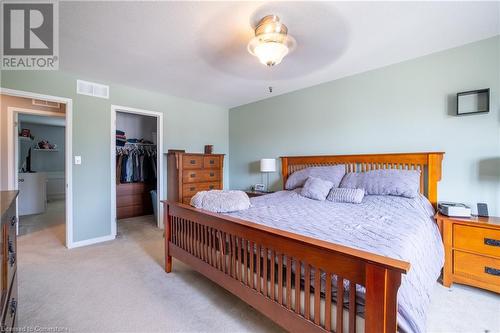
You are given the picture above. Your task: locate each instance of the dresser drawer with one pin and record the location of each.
(192, 162)
(480, 240)
(10, 311)
(196, 176)
(11, 257)
(211, 162)
(472, 266)
(186, 200)
(193, 188)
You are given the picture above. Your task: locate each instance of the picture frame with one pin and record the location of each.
(473, 102)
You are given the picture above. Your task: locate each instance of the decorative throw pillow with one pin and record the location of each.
(332, 173)
(347, 195)
(404, 183)
(220, 201)
(316, 188)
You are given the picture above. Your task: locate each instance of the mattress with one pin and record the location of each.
(396, 227)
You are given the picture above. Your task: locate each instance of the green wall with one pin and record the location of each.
(400, 108)
(187, 125)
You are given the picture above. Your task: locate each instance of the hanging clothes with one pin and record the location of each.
(119, 159)
(136, 164)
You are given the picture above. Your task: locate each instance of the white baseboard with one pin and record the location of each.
(91, 241)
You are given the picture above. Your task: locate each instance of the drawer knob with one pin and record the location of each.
(212, 162)
(211, 187)
(13, 307)
(212, 174)
(13, 221)
(491, 242)
(192, 161)
(492, 271)
(12, 258)
(192, 188)
(192, 175)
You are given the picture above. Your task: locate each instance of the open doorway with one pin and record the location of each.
(137, 164)
(38, 161)
(41, 173)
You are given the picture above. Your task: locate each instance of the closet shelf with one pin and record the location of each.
(51, 150)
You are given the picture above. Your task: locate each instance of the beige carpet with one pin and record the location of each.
(120, 286)
(52, 216)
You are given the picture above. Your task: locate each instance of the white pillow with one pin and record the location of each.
(316, 188)
(218, 201)
(333, 173)
(347, 195)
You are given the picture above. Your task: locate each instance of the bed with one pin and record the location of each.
(258, 254)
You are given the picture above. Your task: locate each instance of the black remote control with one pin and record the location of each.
(482, 209)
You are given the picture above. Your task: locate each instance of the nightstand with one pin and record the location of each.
(252, 194)
(472, 251)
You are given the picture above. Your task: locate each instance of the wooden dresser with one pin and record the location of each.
(8, 249)
(472, 251)
(189, 173)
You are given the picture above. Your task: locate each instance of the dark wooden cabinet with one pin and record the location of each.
(8, 249)
(133, 199)
(189, 173)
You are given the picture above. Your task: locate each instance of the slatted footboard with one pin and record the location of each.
(288, 277)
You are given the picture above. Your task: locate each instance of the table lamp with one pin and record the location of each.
(267, 165)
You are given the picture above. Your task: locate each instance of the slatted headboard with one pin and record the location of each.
(428, 163)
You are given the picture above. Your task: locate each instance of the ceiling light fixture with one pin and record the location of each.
(271, 42)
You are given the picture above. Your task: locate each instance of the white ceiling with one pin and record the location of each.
(197, 50)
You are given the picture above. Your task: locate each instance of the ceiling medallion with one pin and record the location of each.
(271, 42)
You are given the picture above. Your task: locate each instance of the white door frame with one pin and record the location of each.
(160, 185)
(12, 148)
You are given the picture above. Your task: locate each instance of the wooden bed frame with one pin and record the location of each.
(219, 247)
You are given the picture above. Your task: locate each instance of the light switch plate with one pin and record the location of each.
(78, 160)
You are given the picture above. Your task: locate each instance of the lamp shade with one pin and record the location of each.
(267, 165)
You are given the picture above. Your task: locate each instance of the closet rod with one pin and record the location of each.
(140, 144)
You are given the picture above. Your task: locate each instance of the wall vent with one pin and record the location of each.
(92, 89)
(48, 104)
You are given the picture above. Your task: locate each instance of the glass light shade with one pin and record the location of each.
(271, 53)
(271, 48)
(267, 165)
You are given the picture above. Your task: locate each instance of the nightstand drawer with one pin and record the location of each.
(480, 240)
(476, 267)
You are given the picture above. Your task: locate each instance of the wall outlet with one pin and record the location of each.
(78, 160)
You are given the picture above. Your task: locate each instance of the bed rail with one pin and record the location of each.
(258, 264)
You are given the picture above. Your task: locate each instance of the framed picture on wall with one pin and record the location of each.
(473, 102)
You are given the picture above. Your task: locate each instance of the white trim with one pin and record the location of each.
(160, 181)
(68, 154)
(91, 241)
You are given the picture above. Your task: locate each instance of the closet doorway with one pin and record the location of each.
(136, 165)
